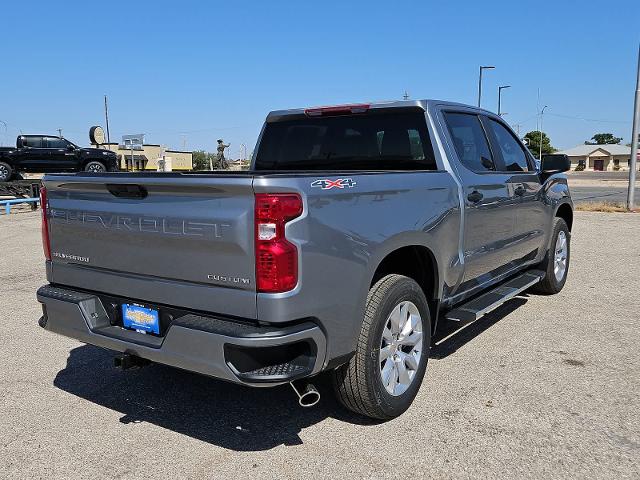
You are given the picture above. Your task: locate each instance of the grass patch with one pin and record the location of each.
(609, 207)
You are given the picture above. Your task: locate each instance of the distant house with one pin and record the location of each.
(599, 157)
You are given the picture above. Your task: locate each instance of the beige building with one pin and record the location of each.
(605, 158)
(148, 157)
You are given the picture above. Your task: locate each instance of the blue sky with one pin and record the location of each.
(198, 71)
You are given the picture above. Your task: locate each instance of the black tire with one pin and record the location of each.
(6, 172)
(358, 384)
(551, 285)
(95, 166)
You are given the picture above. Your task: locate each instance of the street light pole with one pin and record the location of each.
(500, 96)
(541, 114)
(634, 143)
(480, 82)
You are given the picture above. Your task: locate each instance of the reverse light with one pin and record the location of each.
(46, 244)
(276, 257)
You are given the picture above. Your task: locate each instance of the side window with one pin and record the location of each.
(33, 142)
(55, 142)
(470, 141)
(514, 157)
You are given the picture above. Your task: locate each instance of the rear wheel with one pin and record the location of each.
(96, 167)
(556, 262)
(383, 377)
(5, 172)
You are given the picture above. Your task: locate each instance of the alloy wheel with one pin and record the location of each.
(560, 257)
(401, 348)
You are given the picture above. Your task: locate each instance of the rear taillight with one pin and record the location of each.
(276, 257)
(46, 245)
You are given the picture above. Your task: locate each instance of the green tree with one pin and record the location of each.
(604, 139)
(533, 140)
(201, 160)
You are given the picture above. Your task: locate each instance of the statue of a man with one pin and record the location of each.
(220, 160)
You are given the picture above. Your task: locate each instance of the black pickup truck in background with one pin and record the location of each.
(43, 153)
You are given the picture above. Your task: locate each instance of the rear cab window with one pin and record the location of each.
(384, 140)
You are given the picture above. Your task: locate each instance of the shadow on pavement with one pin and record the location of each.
(224, 414)
(450, 336)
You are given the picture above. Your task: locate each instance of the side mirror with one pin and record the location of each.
(70, 148)
(554, 163)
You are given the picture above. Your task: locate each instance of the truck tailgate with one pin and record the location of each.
(183, 240)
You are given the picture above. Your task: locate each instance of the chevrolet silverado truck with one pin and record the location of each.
(43, 153)
(358, 230)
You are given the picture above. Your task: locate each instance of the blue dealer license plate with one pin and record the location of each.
(140, 318)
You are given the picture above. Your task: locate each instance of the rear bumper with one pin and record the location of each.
(232, 351)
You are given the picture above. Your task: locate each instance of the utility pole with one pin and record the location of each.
(405, 96)
(500, 97)
(480, 82)
(184, 141)
(541, 114)
(59, 133)
(634, 143)
(106, 119)
(517, 127)
(5, 130)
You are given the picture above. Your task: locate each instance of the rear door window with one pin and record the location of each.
(513, 155)
(372, 141)
(470, 141)
(33, 142)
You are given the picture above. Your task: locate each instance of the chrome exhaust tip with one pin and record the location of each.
(309, 397)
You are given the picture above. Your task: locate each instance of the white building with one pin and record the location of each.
(599, 157)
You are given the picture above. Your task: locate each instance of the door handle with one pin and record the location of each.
(520, 190)
(475, 196)
(127, 190)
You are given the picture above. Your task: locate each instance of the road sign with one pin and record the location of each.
(133, 142)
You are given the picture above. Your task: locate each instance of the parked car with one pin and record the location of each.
(357, 232)
(42, 153)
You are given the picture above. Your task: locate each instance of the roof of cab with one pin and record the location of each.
(424, 104)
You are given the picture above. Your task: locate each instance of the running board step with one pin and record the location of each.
(479, 306)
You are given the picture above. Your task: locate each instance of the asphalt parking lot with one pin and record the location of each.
(587, 187)
(542, 387)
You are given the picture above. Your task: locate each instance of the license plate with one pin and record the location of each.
(140, 318)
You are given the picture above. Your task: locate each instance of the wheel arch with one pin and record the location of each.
(417, 262)
(565, 211)
(87, 161)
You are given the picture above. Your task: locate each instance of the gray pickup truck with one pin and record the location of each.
(356, 232)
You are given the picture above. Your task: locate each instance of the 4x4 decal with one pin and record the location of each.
(328, 184)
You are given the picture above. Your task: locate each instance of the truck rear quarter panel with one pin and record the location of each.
(344, 234)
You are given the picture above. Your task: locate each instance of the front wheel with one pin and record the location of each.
(556, 262)
(383, 377)
(95, 167)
